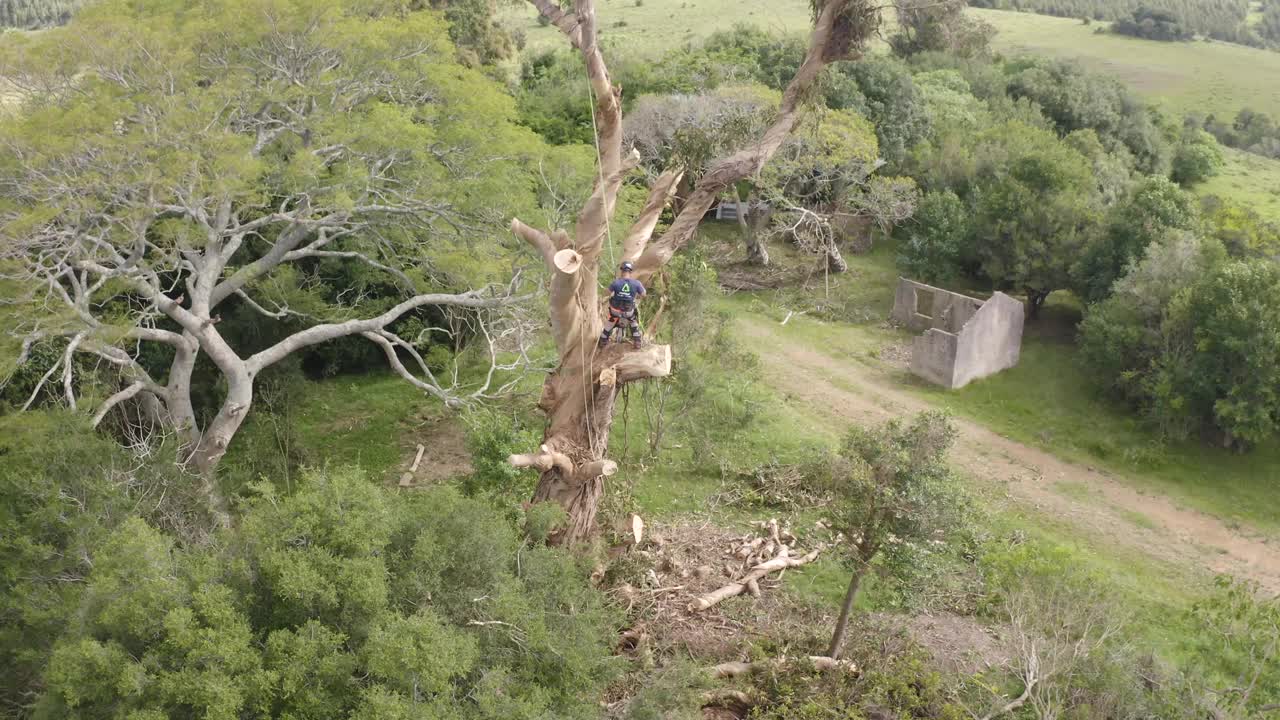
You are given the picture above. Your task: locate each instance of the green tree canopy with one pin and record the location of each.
(1036, 201)
(339, 601)
(327, 166)
(1151, 209)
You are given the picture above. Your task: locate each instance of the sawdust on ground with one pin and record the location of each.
(1180, 535)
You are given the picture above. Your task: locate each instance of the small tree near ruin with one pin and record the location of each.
(895, 488)
(578, 397)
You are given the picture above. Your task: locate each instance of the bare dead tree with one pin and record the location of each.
(579, 396)
(1056, 630)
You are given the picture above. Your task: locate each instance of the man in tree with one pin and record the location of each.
(624, 293)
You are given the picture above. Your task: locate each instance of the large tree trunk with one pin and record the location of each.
(578, 397)
(749, 224)
(1035, 302)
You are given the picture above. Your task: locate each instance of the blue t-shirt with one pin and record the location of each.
(624, 292)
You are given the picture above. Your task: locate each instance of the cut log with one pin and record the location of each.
(544, 461)
(635, 528)
(406, 480)
(737, 669)
(781, 562)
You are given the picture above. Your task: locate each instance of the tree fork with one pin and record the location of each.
(579, 396)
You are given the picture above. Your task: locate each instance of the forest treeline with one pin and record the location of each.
(1227, 20)
(28, 14)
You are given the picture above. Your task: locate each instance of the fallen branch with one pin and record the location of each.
(781, 562)
(407, 479)
(1030, 677)
(820, 663)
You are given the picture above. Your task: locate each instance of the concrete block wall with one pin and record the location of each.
(933, 356)
(964, 338)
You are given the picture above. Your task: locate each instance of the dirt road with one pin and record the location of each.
(853, 392)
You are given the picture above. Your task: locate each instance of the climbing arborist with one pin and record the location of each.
(624, 293)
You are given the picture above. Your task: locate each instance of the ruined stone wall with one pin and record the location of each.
(918, 307)
(933, 356)
(990, 342)
(964, 338)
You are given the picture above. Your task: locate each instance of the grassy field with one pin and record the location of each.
(654, 26)
(1250, 179)
(1199, 76)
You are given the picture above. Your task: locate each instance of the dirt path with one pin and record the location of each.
(853, 392)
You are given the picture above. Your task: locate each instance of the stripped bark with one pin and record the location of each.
(782, 561)
(578, 397)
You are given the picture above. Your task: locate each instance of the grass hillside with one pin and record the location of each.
(1250, 179)
(1198, 76)
(654, 26)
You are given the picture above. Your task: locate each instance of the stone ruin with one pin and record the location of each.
(964, 338)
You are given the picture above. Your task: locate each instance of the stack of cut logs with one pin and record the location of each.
(754, 559)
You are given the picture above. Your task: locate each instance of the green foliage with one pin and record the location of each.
(1151, 24)
(1222, 368)
(480, 40)
(63, 489)
(1250, 130)
(1196, 159)
(1193, 341)
(1219, 19)
(30, 14)
(1240, 229)
(1239, 643)
(340, 600)
(896, 488)
(938, 236)
(1152, 209)
(894, 681)
(675, 693)
(882, 89)
(1036, 202)
(493, 436)
(1077, 99)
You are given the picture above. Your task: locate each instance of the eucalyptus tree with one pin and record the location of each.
(579, 396)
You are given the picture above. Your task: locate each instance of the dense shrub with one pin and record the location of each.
(341, 600)
(63, 490)
(28, 14)
(1220, 19)
(935, 239)
(1193, 341)
(1077, 99)
(1150, 210)
(1150, 24)
(1196, 159)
